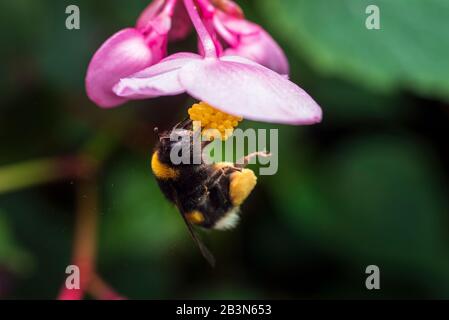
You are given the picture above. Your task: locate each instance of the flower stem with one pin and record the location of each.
(85, 242)
(210, 51)
(100, 290)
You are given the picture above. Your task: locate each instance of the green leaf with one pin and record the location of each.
(409, 51)
(374, 199)
(389, 196)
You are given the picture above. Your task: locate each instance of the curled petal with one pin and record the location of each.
(248, 90)
(238, 26)
(264, 50)
(147, 15)
(158, 80)
(253, 42)
(120, 56)
(180, 27)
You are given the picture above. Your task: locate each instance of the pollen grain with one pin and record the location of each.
(214, 123)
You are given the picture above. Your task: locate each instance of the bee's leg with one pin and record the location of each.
(242, 163)
(217, 176)
(214, 184)
(213, 179)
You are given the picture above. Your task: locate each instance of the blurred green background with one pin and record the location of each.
(367, 186)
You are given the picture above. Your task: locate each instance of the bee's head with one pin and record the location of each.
(179, 139)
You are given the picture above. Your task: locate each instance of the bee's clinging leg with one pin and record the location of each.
(214, 178)
(242, 163)
(242, 184)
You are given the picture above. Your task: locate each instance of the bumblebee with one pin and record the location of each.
(206, 195)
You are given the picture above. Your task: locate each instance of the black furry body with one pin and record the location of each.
(203, 188)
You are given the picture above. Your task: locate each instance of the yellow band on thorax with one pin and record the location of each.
(162, 171)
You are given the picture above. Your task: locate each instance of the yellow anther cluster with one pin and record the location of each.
(213, 120)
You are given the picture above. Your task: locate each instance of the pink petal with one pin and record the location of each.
(158, 80)
(120, 56)
(264, 50)
(148, 14)
(255, 44)
(181, 24)
(245, 89)
(238, 26)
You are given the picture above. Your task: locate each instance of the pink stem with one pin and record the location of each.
(84, 251)
(210, 51)
(68, 294)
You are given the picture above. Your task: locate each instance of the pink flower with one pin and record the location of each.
(128, 51)
(233, 84)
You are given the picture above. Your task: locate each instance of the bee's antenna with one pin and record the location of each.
(183, 124)
(156, 132)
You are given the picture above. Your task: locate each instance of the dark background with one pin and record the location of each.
(369, 185)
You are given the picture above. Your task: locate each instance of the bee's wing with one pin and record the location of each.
(204, 251)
